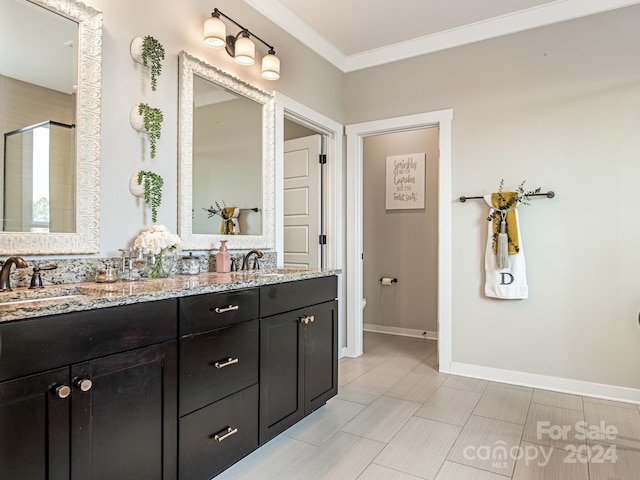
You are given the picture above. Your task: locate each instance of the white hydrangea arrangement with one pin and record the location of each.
(156, 239)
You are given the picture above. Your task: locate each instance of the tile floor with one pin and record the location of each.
(397, 418)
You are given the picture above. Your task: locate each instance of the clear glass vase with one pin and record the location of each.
(161, 264)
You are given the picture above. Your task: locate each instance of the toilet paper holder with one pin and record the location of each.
(388, 280)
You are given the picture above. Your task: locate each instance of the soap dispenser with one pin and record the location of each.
(223, 258)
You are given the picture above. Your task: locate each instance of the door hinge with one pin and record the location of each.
(322, 239)
(323, 158)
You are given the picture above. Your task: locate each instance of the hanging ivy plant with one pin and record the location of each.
(152, 56)
(152, 183)
(152, 123)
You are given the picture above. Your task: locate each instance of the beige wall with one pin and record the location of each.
(557, 106)
(400, 243)
(306, 77)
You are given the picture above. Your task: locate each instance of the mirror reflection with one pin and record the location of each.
(227, 161)
(38, 82)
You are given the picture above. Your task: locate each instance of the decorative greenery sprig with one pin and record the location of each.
(152, 190)
(523, 197)
(153, 52)
(153, 119)
(217, 211)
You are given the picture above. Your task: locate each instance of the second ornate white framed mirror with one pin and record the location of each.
(227, 160)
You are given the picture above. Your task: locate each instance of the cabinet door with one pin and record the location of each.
(34, 427)
(125, 424)
(281, 375)
(320, 355)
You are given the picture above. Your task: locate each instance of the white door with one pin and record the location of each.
(302, 202)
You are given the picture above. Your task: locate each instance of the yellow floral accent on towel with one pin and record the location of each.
(512, 227)
(227, 213)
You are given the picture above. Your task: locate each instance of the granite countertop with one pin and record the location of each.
(22, 303)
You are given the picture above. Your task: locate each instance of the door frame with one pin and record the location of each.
(333, 205)
(354, 229)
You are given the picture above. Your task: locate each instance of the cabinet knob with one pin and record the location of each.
(84, 384)
(307, 319)
(62, 391)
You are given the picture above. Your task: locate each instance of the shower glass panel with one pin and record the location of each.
(39, 179)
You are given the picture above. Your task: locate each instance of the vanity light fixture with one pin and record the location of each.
(240, 46)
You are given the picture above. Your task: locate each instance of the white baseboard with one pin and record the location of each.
(564, 385)
(405, 332)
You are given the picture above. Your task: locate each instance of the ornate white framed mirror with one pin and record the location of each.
(226, 178)
(50, 181)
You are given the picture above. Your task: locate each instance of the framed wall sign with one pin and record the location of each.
(405, 182)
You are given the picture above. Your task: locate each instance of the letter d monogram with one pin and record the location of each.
(503, 282)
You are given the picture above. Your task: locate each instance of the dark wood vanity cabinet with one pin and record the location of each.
(218, 381)
(106, 405)
(178, 388)
(298, 352)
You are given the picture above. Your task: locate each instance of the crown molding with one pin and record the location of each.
(558, 11)
(292, 24)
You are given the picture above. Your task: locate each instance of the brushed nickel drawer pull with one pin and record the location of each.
(230, 308)
(312, 318)
(304, 320)
(224, 434)
(225, 363)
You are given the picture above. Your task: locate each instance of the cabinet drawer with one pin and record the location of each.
(201, 313)
(38, 344)
(217, 436)
(216, 364)
(284, 297)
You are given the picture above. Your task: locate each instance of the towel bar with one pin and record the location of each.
(549, 194)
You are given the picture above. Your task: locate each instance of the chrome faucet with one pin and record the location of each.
(245, 261)
(5, 280)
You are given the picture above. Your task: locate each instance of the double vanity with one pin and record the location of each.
(161, 379)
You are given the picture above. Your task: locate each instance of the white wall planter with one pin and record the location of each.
(137, 120)
(136, 49)
(135, 189)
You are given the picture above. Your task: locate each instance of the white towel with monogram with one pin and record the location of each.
(509, 282)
